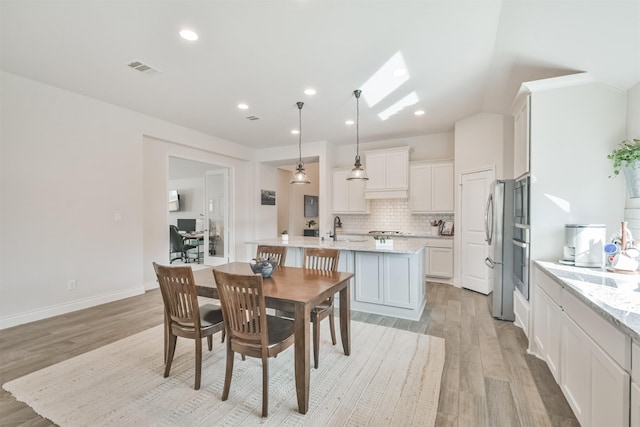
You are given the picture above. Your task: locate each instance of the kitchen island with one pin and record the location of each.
(388, 280)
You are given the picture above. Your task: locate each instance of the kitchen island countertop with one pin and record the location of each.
(616, 297)
(356, 243)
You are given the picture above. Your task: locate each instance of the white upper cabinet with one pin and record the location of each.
(431, 187)
(521, 137)
(348, 196)
(388, 172)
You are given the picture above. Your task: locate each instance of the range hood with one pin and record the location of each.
(388, 172)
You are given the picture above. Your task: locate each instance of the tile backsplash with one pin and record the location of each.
(390, 215)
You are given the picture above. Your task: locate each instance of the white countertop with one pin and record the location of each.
(355, 243)
(614, 296)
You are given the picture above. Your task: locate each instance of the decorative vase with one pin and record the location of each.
(632, 178)
(285, 237)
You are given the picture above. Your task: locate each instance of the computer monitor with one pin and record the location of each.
(188, 225)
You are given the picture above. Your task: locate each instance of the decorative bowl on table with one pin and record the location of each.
(264, 267)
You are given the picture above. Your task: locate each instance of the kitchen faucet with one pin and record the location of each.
(336, 223)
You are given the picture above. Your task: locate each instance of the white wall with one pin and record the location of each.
(191, 191)
(632, 211)
(572, 131)
(282, 203)
(69, 165)
(633, 112)
(482, 141)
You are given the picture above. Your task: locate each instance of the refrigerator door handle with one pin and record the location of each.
(489, 262)
(488, 224)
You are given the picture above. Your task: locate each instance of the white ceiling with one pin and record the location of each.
(462, 58)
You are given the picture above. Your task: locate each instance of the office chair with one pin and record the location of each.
(177, 245)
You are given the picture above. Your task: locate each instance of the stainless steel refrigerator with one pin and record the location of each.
(499, 223)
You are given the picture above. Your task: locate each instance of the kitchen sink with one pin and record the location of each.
(352, 240)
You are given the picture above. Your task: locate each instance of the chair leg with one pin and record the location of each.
(198, 362)
(228, 372)
(265, 386)
(166, 337)
(170, 352)
(332, 326)
(316, 341)
(210, 342)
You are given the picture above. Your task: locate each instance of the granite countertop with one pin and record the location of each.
(616, 297)
(403, 235)
(356, 243)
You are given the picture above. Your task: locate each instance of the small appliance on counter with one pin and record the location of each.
(584, 245)
(622, 253)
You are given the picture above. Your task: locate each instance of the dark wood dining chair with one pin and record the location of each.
(183, 316)
(326, 260)
(250, 331)
(276, 253)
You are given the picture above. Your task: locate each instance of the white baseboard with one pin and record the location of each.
(448, 281)
(151, 285)
(56, 310)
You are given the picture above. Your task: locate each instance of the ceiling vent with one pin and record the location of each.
(252, 118)
(143, 68)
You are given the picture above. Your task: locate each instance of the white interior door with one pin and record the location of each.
(217, 235)
(475, 191)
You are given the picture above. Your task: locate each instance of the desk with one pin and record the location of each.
(199, 238)
(296, 290)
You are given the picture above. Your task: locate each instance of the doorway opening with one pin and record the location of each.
(290, 200)
(203, 204)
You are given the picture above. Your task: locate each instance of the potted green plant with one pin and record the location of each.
(626, 158)
(311, 223)
(383, 241)
(285, 235)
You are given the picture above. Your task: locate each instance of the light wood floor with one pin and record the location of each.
(488, 378)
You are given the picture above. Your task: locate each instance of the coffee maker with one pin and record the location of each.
(584, 245)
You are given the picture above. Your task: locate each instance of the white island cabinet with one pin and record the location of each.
(391, 284)
(388, 280)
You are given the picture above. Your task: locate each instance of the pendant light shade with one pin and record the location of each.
(357, 173)
(300, 177)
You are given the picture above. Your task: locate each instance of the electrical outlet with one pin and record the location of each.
(71, 285)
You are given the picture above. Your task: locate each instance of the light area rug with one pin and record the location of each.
(392, 377)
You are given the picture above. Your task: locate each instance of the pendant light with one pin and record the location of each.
(357, 173)
(299, 177)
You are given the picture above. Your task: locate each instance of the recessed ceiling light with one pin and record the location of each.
(243, 106)
(295, 131)
(188, 35)
(419, 112)
(309, 91)
(349, 122)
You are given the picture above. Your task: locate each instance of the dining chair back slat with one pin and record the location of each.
(275, 253)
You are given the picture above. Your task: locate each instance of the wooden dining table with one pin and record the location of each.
(296, 290)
